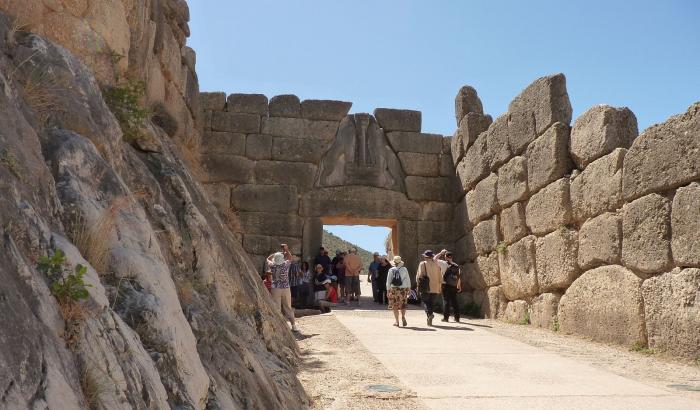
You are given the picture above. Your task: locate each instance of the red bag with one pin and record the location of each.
(332, 295)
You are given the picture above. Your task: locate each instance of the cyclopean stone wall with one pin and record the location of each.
(284, 167)
(590, 229)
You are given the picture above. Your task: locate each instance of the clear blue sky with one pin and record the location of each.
(416, 54)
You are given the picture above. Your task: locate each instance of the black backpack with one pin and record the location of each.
(396, 278)
(451, 276)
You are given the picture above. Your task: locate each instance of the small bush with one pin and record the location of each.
(124, 102)
(526, 319)
(641, 348)
(555, 325)
(502, 248)
(67, 286)
(92, 385)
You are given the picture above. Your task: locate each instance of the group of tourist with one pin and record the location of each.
(328, 282)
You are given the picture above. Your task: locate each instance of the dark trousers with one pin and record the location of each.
(375, 288)
(449, 298)
(429, 300)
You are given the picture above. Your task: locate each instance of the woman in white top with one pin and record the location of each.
(398, 284)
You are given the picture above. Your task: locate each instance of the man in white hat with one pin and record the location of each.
(278, 265)
(429, 270)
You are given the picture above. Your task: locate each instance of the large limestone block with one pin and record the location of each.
(286, 105)
(467, 101)
(605, 304)
(328, 110)
(497, 148)
(461, 218)
(550, 208)
(267, 245)
(415, 163)
(487, 269)
(516, 312)
(512, 223)
(543, 310)
(440, 189)
(271, 224)
(599, 187)
(685, 226)
(486, 236)
(285, 173)
(665, 156)
(474, 166)
(247, 103)
(521, 131)
(470, 127)
(402, 141)
(672, 312)
(298, 149)
(227, 168)
(517, 267)
(548, 157)
(546, 98)
(646, 234)
(219, 194)
(367, 202)
(212, 101)
(556, 258)
(258, 146)
(472, 277)
(299, 128)
(600, 241)
(232, 143)
(465, 251)
(446, 165)
(492, 301)
(481, 201)
(512, 182)
(435, 232)
(235, 122)
(265, 198)
(599, 131)
(437, 211)
(398, 120)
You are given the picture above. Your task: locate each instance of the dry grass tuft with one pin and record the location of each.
(41, 91)
(93, 385)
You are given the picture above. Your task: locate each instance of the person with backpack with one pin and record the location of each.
(398, 283)
(429, 278)
(451, 284)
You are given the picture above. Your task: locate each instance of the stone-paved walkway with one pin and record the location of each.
(469, 365)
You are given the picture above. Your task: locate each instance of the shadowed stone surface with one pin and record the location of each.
(685, 226)
(546, 98)
(550, 208)
(325, 109)
(212, 101)
(430, 189)
(556, 255)
(599, 131)
(285, 173)
(599, 187)
(474, 166)
(488, 269)
(402, 141)
(414, 163)
(548, 157)
(606, 305)
(247, 103)
(497, 148)
(231, 143)
(398, 120)
(286, 105)
(517, 268)
(467, 101)
(646, 234)
(521, 131)
(258, 146)
(486, 236)
(228, 168)
(481, 202)
(265, 198)
(543, 310)
(512, 181)
(271, 224)
(235, 122)
(469, 129)
(600, 241)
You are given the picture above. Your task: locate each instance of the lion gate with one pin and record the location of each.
(287, 167)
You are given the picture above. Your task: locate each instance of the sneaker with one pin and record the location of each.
(403, 319)
(430, 320)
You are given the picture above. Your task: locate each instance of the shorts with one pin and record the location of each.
(352, 285)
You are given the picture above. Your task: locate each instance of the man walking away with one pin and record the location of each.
(278, 267)
(323, 259)
(451, 284)
(373, 278)
(353, 267)
(430, 291)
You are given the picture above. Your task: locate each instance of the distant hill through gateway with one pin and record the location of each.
(332, 242)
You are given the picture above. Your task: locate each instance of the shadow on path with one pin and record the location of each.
(454, 328)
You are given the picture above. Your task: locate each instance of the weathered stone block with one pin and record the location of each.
(440, 189)
(299, 128)
(461, 218)
(487, 267)
(600, 241)
(227, 168)
(267, 245)
(517, 268)
(512, 182)
(481, 201)
(467, 101)
(516, 312)
(556, 256)
(469, 129)
(433, 232)
(328, 110)
(543, 310)
(550, 208)
(286, 105)
(548, 157)
(235, 122)
(352, 200)
(437, 211)
(606, 305)
(472, 277)
(247, 103)
(285, 173)
(298, 149)
(415, 142)
(497, 149)
(646, 235)
(219, 195)
(258, 146)
(474, 166)
(447, 167)
(265, 198)
(512, 223)
(212, 101)
(547, 99)
(521, 131)
(599, 187)
(465, 251)
(665, 156)
(672, 312)
(398, 120)
(685, 226)
(414, 163)
(493, 302)
(270, 224)
(486, 236)
(232, 143)
(599, 131)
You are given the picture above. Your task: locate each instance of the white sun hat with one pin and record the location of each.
(396, 261)
(278, 258)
